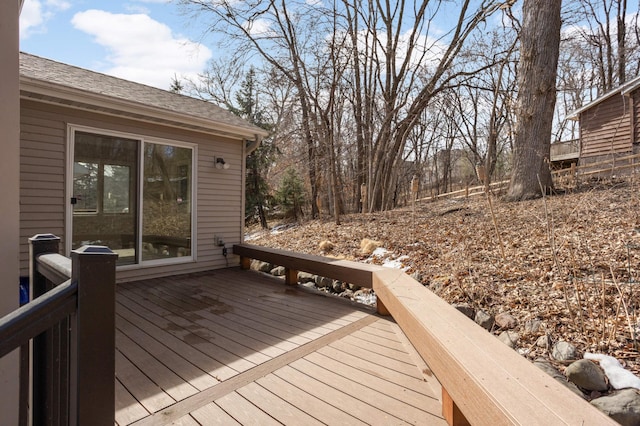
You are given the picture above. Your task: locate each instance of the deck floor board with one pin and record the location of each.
(235, 347)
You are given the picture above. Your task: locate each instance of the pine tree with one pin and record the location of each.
(291, 194)
(258, 162)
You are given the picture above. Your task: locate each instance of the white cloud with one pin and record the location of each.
(35, 13)
(258, 27)
(31, 17)
(142, 49)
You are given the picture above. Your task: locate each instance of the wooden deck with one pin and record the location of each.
(236, 347)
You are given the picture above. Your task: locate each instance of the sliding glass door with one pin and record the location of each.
(133, 196)
(166, 201)
(104, 187)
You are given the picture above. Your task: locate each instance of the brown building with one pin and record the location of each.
(609, 125)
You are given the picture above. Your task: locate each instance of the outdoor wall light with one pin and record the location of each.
(221, 164)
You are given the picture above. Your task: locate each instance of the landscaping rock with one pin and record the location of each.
(347, 294)
(543, 342)
(365, 296)
(484, 320)
(258, 265)
(326, 246)
(509, 338)
(563, 351)
(278, 271)
(338, 286)
(322, 282)
(623, 406)
(417, 276)
(548, 368)
(506, 321)
(466, 309)
(619, 377)
(587, 375)
(305, 277)
(532, 326)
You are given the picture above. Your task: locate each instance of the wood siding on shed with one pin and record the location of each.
(605, 128)
(635, 118)
(43, 203)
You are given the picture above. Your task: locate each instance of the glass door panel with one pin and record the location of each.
(166, 201)
(104, 194)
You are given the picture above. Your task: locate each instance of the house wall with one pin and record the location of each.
(43, 159)
(605, 128)
(9, 194)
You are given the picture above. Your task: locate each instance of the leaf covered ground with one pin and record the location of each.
(571, 261)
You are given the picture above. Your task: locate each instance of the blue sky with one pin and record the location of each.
(148, 41)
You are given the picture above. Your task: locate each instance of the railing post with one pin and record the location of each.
(40, 244)
(93, 343)
(44, 348)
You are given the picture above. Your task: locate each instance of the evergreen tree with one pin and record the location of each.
(176, 85)
(291, 194)
(258, 162)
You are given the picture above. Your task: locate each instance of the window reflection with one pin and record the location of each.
(166, 217)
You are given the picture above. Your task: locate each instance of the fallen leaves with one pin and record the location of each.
(573, 266)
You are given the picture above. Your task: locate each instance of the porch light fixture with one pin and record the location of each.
(221, 164)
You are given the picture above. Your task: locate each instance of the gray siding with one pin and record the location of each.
(43, 170)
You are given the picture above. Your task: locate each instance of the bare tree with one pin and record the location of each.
(601, 25)
(393, 67)
(539, 50)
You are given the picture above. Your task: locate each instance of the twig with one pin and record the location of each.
(577, 290)
(495, 225)
(552, 242)
(604, 315)
(624, 304)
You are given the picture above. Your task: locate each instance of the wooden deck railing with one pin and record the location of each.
(71, 324)
(484, 382)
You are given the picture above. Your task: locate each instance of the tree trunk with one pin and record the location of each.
(539, 47)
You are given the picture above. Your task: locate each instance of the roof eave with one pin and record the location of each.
(624, 89)
(63, 95)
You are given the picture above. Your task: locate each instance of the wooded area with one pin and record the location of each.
(363, 96)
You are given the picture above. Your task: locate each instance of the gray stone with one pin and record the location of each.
(623, 406)
(548, 368)
(365, 296)
(506, 320)
(323, 282)
(563, 351)
(543, 341)
(532, 326)
(466, 309)
(278, 271)
(509, 338)
(308, 284)
(258, 265)
(587, 375)
(347, 294)
(337, 286)
(305, 277)
(484, 320)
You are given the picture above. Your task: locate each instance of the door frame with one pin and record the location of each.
(68, 233)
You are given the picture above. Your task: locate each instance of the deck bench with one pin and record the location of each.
(483, 381)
